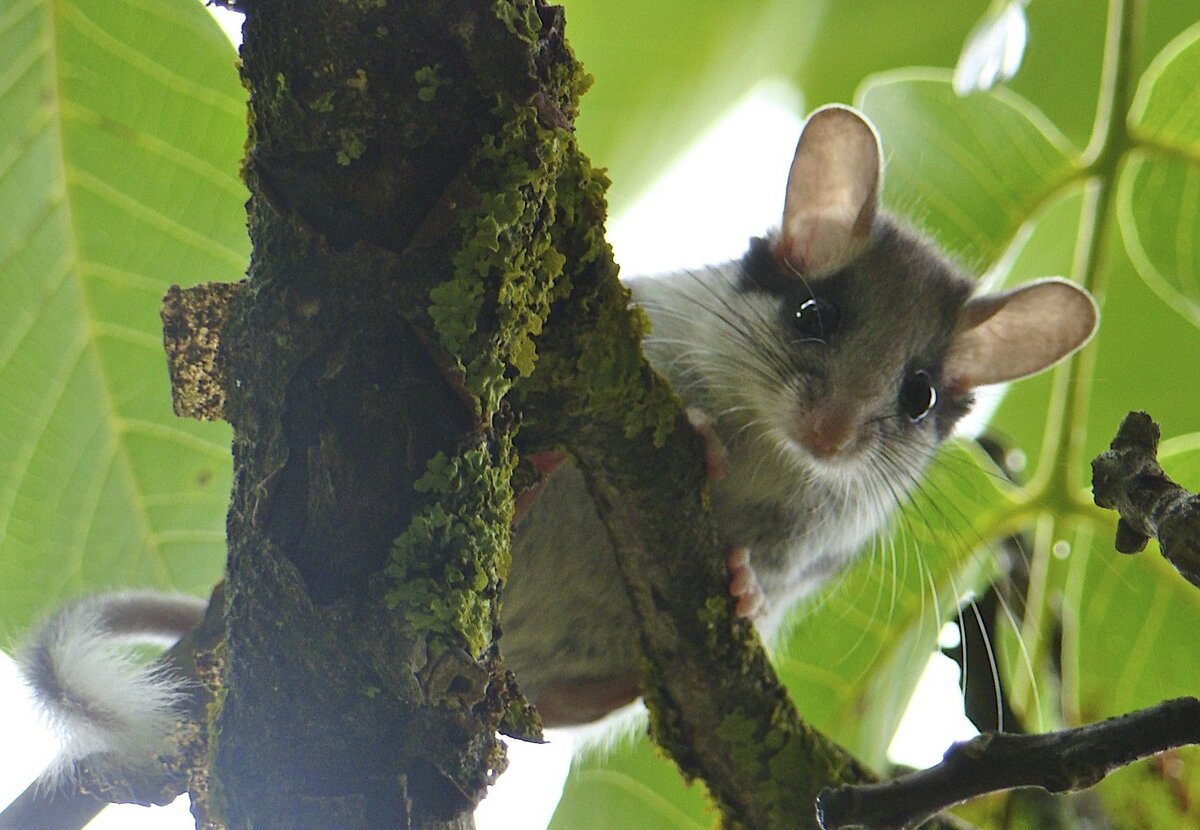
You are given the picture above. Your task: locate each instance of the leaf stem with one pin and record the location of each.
(1057, 486)
(1060, 473)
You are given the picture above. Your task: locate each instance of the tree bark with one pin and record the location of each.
(403, 163)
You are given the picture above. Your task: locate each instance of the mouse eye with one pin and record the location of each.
(815, 319)
(917, 396)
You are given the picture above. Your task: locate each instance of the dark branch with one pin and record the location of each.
(1073, 759)
(1128, 479)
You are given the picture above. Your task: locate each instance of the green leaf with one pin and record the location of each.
(631, 786)
(1166, 107)
(1159, 792)
(1147, 612)
(1160, 186)
(1044, 247)
(1158, 204)
(971, 171)
(855, 653)
(121, 127)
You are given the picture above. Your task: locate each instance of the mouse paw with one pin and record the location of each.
(744, 585)
(716, 457)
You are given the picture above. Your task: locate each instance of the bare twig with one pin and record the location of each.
(1072, 759)
(1128, 479)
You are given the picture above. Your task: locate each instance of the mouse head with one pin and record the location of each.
(883, 329)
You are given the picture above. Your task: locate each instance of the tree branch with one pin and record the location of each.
(1072, 759)
(1128, 479)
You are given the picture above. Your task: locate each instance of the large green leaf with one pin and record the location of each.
(121, 127)
(631, 786)
(970, 170)
(855, 653)
(1166, 107)
(1159, 197)
(1159, 212)
(1147, 611)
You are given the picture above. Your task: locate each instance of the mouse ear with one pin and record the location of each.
(832, 192)
(1002, 337)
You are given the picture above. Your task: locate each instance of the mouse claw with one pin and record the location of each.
(744, 585)
(716, 457)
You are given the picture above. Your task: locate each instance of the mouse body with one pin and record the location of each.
(827, 365)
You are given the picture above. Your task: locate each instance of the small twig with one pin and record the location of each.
(1128, 479)
(1072, 759)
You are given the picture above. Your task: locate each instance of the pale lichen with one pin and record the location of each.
(521, 18)
(429, 80)
(467, 519)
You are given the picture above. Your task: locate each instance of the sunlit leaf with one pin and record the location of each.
(1159, 210)
(1128, 643)
(630, 786)
(1166, 107)
(969, 170)
(994, 49)
(1145, 610)
(121, 127)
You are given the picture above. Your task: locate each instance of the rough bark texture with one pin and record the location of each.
(1128, 479)
(403, 163)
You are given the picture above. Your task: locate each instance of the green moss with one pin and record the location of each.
(216, 806)
(429, 80)
(358, 82)
(740, 733)
(507, 266)
(520, 17)
(351, 147)
(454, 307)
(467, 523)
(322, 103)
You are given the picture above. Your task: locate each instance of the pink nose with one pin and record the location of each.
(826, 434)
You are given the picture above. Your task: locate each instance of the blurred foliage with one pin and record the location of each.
(121, 131)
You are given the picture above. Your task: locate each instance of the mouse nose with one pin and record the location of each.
(827, 432)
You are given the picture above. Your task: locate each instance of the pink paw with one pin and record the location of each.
(744, 586)
(716, 457)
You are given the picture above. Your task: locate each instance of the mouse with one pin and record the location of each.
(823, 368)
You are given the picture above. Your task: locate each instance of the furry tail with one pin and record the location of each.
(106, 705)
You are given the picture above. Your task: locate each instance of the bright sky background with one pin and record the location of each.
(727, 187)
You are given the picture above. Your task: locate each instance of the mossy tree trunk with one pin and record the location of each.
(405, 161)
(418, 207)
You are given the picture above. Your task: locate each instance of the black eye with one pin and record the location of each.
(917, 396)
(815, 319)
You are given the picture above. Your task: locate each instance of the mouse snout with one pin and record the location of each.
(827, 432)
